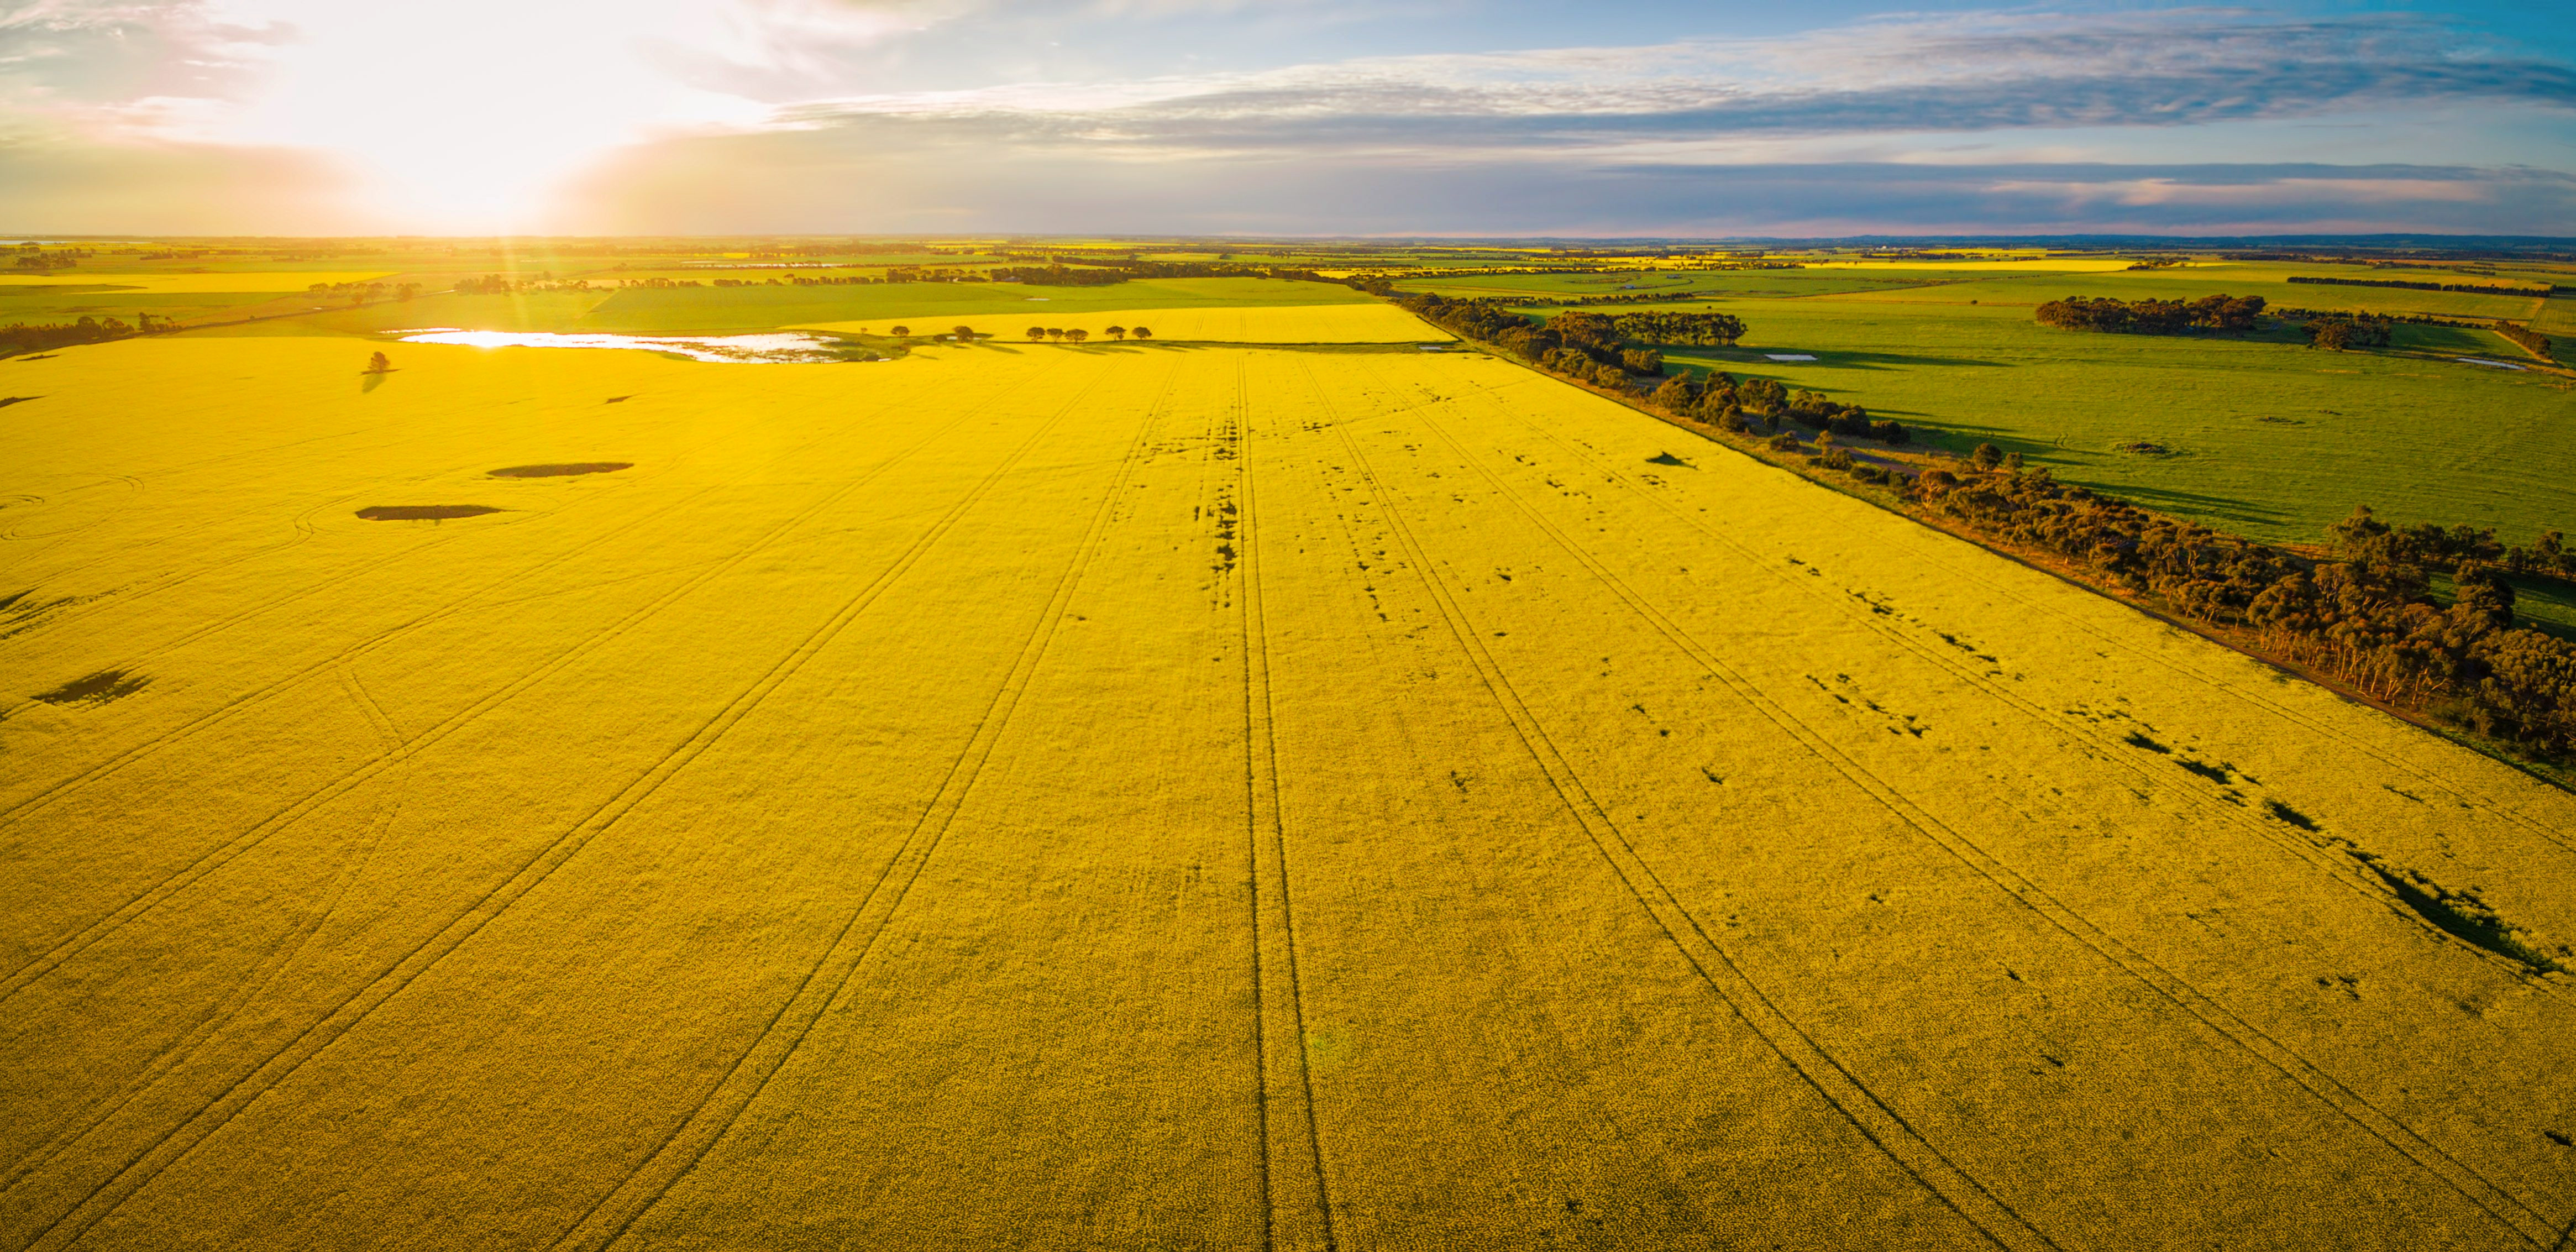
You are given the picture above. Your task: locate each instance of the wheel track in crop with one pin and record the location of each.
(214, 859)
(145, 1165)
(1931, 553)
(248, 700)
(2471, 1184)
(2341, 870)
(2322, 728)
(255, 981)
(1871, 1116)
(696, 1133)
(1266, 860)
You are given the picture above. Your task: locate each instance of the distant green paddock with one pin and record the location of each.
(2271, 439)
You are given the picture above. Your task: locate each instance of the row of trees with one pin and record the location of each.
(1607, 352)
(2223, 314)
(2365, 615)
(1038, 333)
(23, 337)
(2524, 335)
(2474, 288)
(2457, 550)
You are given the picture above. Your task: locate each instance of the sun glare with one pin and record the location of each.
(471, 121)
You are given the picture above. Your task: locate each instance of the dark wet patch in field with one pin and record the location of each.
(559, 471)
(98, 688)
(423, 512)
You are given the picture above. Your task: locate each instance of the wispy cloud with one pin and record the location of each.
(1965, 74)
(65, 52)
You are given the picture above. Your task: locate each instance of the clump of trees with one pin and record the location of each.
(2365, 615)
(2339, 333)
(1719, 329)
(2231, 315)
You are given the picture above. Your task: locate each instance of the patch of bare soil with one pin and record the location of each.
(423, 512)
(558, 471)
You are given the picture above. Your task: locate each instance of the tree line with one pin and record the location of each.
(2363, 615)
(23, 337)
(2472, 288)
(1610, 352)
(1619, 354)
(2221, 313)
(2525, 336)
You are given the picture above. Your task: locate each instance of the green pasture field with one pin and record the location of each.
(2270, 439)
(2027, 289)
(2262, 435)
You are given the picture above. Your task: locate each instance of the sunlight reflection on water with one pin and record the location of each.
(779, 348)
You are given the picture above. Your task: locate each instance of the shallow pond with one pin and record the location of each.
(781, 347)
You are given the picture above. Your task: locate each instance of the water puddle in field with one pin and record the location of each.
(776, 348)
(423, 512)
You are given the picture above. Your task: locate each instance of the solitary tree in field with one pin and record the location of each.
(1117, 332)
(1077, 335)
(1036, 333)
(379, 363)
(1987, 456)
(903, 332)
(1140, 332)
(965, 334)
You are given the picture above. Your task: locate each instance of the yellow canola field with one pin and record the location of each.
(193, 284)
(1306, 323)
(1204, 798)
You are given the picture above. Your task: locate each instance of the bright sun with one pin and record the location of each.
(469, 120)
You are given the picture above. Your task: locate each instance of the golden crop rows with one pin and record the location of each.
(1207, 798)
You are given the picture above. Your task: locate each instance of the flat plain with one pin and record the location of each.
(1130, 796)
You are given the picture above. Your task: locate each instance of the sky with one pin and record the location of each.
(1489, 118)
